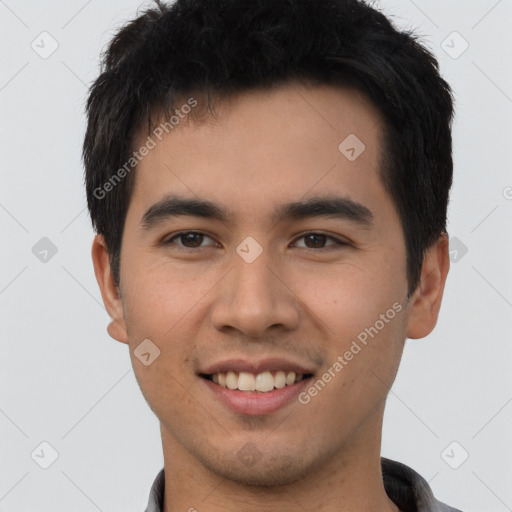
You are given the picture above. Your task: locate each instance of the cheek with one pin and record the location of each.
(350, 297)
(362, 352)
(159, 305)
(160, 298)
(152, 312)
(363, 315)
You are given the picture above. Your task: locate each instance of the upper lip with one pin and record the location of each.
(256, 366)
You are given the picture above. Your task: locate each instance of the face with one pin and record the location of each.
(319, 290)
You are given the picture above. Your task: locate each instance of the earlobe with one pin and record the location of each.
(109, 292)
(426, 300)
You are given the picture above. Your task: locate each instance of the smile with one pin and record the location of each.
(263, 381)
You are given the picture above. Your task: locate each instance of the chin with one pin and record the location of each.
(268, 471)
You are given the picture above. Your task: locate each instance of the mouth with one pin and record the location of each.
(255, 387)
(261, 382)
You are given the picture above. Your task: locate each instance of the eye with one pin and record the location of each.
(317, 240)
(187, 239)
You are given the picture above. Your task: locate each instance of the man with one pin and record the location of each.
(268, 180)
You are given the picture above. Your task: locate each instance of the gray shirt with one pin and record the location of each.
(407, 489)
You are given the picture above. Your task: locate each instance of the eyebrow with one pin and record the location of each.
(318, 206)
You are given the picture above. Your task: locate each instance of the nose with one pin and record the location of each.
(255, 298)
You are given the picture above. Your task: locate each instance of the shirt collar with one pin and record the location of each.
(407, 489)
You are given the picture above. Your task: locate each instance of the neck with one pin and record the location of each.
(351, 479)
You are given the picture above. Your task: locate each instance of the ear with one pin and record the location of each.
(426, 299)
(109, 292)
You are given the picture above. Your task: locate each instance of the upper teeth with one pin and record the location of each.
(264, 381)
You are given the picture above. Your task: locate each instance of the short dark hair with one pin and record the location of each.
(223, 47)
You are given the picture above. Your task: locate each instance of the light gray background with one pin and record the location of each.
(63, 380)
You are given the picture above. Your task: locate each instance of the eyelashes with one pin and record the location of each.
(197, 237)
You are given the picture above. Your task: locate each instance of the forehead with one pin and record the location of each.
(290, 141)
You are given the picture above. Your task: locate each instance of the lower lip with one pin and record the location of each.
(254, 402)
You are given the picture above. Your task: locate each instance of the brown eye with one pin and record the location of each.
(315, 240)
(187, 240)
(191, 239)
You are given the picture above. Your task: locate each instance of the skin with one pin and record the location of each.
(208, 304)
